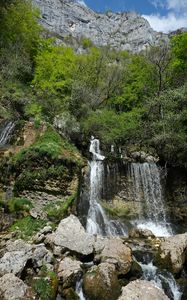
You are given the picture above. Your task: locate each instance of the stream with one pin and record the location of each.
(147, 189)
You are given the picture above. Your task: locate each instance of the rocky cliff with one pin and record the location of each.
(125, 31)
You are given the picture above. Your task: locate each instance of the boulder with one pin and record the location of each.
(172, 252)
(101, 282)
(113, 250)
(17, 253)
(142, 290)
(70, 235)
(15, 258)
(140, 233)
(13, 288)
(69, 270)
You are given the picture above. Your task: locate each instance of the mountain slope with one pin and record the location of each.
(125, 31)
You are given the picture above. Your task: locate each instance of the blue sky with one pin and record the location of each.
(163, 15)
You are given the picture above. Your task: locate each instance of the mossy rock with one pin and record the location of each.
(101, 282)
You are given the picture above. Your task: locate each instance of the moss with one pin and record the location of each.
(27, 227)
(49, 145)
(46, 285)
(115, 211)
(19, 204)
(57, 211)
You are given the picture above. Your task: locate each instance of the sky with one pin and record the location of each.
(163, 15)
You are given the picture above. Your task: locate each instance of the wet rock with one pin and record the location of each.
(172, 252)
(140, 233)
(113, 250)
(70, 235)
(69, 294)
(69, 271)
(13, 288)
(142, 290)
(101, 282)
(141, 156)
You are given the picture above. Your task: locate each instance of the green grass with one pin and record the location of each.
(27, 227)
(19, 204)
(46, 285)
(58, 210)
(49, 145)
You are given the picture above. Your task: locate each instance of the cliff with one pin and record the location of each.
(124, 31)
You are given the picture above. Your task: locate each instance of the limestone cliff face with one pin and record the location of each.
(125, 31)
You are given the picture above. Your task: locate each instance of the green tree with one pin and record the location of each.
(179, 59)
(19, 39)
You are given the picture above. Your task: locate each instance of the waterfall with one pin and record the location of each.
(162, 279)
(79, 290)
(145, 178)
(97, 221)
(5, 133)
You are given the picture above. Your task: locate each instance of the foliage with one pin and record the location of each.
(20, 35)
(57, 211)
(179, 59)
(46, 285)
(50, 145)
(19, 204)
(27, 227)
(167, 125)
(111, 127)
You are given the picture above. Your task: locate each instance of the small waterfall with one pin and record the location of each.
(162, 279)
(97, 221)
(146, 182)
(5, 133)
(79, 290)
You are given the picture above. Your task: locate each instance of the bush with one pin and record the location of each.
(27, 227)
(46, 285)
(19, 204)
(57, 211)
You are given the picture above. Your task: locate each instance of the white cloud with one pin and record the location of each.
(157, 3)
(81, 2)
(177, 5)
(166, 23)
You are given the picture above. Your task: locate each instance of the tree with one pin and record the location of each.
(179, 59)
(160, 57)
(19, 38)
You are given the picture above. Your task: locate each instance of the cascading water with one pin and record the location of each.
(97, 221)
(5, 133)
(146, 182)
(162, 279)
(79, 290)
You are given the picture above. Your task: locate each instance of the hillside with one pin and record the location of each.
(124, 31)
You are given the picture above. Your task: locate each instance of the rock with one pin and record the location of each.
(112, 250)
(69, 271)
(101, 282)
(16, 257)
(172, 252)
(142, 290)
(140, 233)
(13, 288)
(18, 252)
(6, 220)
(124, 31)
(40, 236)
(141, 156)
(70, 235)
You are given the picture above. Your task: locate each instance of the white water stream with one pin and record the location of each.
(97, 221)
(5, 133)
(163, 280)
(147, 187)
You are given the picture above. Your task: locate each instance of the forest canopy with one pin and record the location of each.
(120, 97)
